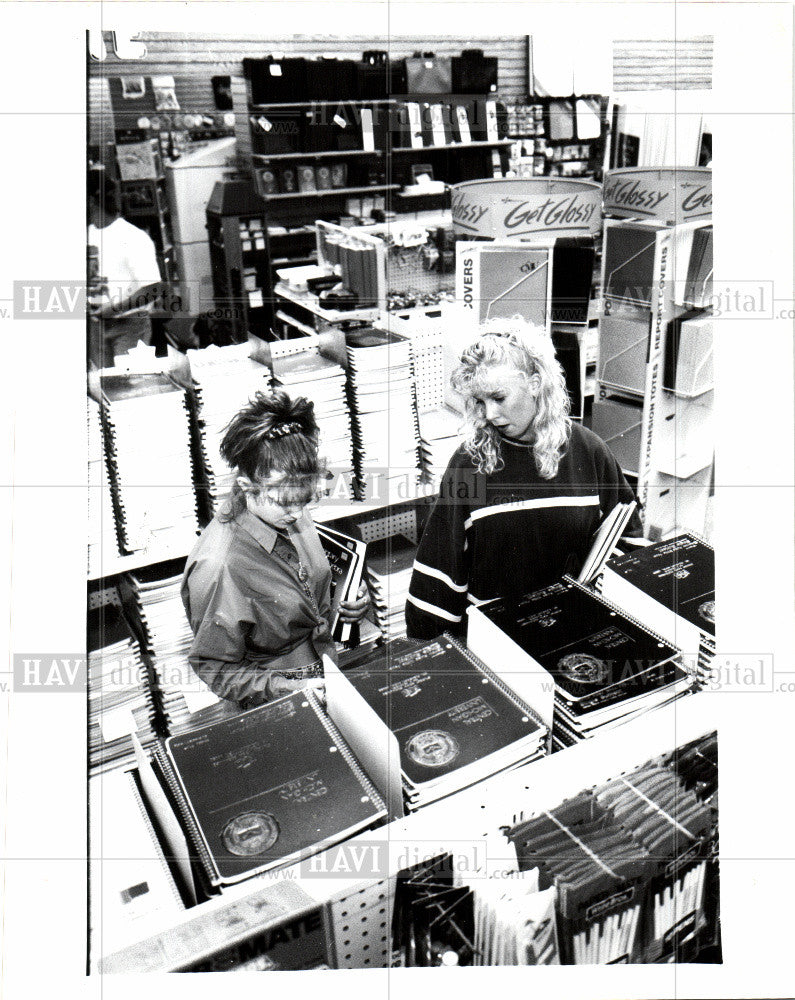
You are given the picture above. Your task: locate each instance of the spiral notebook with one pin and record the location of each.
(455, 721)
(605, 665)
(267, 788)
(671, 585)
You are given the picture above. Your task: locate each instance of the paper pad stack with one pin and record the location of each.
(119, 698)
(102, 538)
(224, 380)
(323, 382)
(383, 408)
(148, 433)
(169, 638)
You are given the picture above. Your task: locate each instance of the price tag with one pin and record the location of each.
(339, 120)
(275, 69)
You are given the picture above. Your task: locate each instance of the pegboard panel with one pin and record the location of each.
(401, 522)
(415, 270)
(360, 928)
(99, 598)
(423, 328)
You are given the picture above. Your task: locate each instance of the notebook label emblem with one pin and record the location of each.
(433, 748)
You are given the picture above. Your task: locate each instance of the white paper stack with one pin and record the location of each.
(440, 435)
(323, 382)
(389, 566)
(150, 461)
(101, 520)
(130, 881)
(169, 637)
(383, 408)
(119, 697)
(224, 380)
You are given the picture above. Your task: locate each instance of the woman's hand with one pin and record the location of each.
(354, 611)
(279, 686)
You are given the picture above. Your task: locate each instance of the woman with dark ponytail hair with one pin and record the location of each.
(256, 587)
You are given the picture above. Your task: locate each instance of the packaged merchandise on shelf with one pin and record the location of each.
(632, 861)
(119, 695)
(277, 795)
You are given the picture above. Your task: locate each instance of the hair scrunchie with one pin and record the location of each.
(290, 427)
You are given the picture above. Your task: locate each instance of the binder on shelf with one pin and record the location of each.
(674, 502)
(618, 423)
(688, 367)
(628, 252)
(461, 130)
(415, 125)
(624, 348)
(267, 788)
(683, 441)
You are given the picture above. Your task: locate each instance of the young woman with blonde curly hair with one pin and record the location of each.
(524, 493)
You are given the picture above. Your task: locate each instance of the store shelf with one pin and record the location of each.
(256, 109)
(330, 192)
(468, 822)
(329, 510)
(297, 324)
(113, 564)
(478, 144)
(310, 303)
(332, 154)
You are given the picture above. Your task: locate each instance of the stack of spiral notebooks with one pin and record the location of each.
(152, 482)
(266, 788)
(184, 698)
(670, 585)
(606, 667)
(455, 721)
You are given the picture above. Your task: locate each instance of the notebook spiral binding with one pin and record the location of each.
(155, 841)
(619, 610)
(500, 684)
(186, 813)
(122, 534)
(347, 754)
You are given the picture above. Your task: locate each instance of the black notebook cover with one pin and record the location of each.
(266, 786)
(586, 645)
(679, 573)
(443, 706)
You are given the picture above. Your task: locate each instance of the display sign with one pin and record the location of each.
(502, 280)
(669, 194)
(527, 208)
